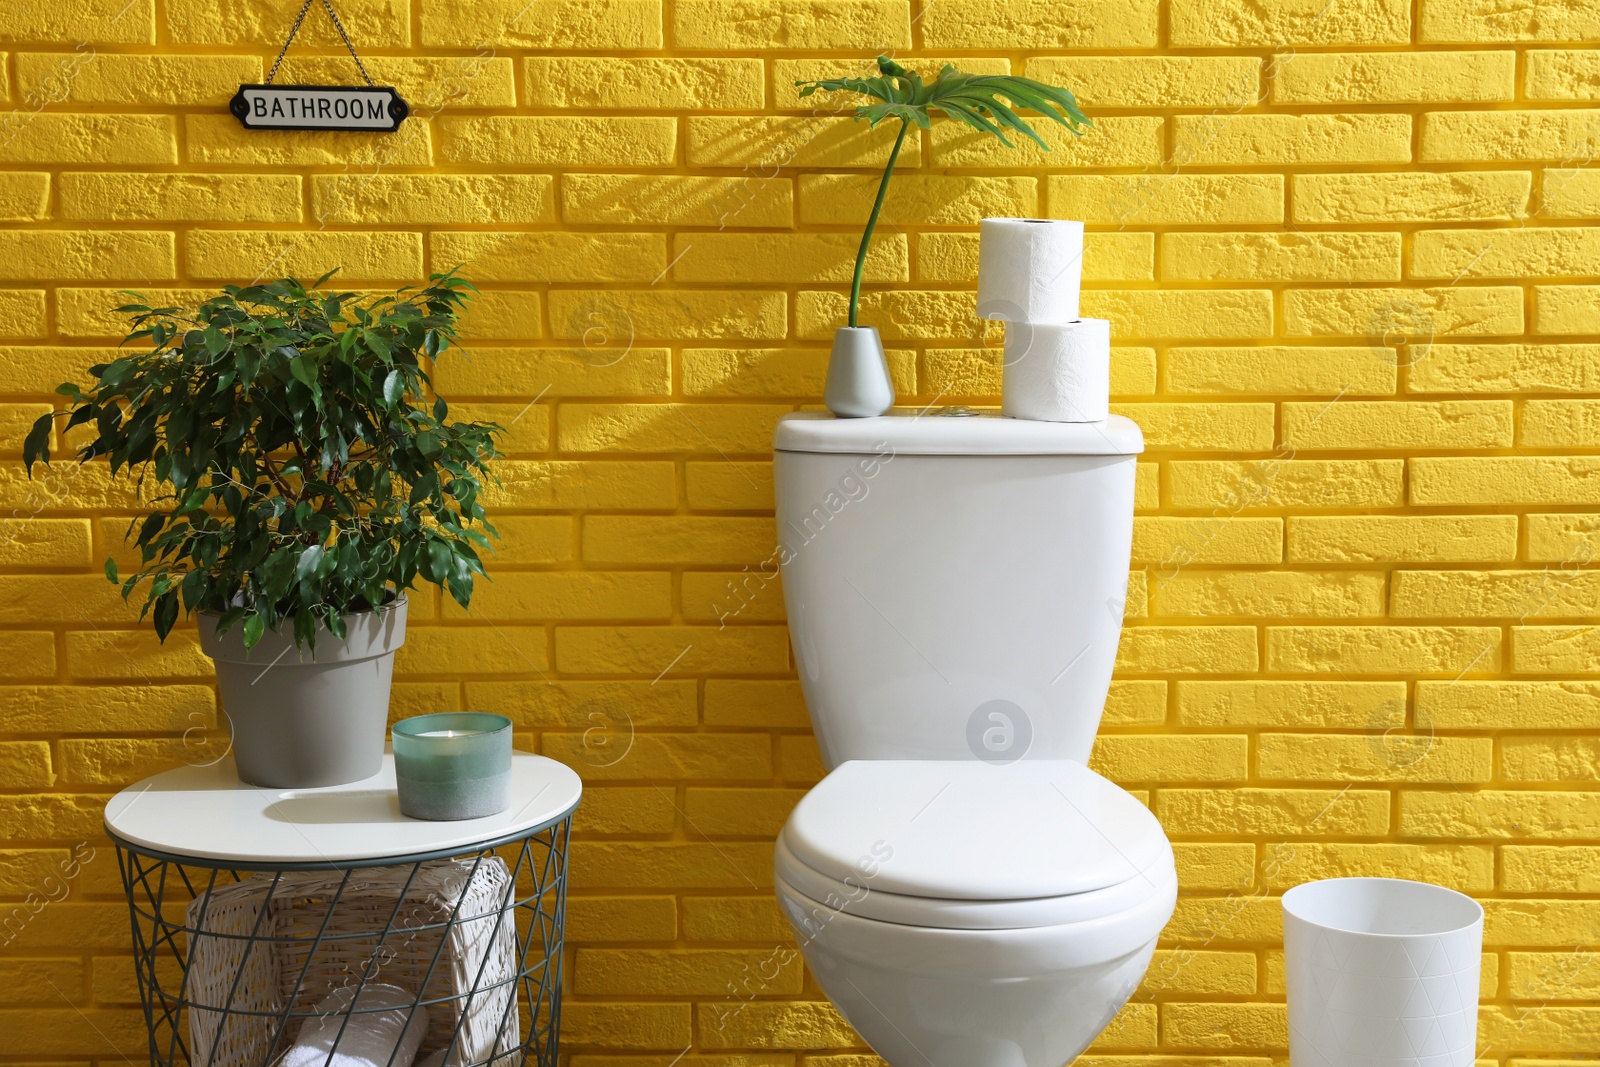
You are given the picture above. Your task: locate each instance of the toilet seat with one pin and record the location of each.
(963, 845)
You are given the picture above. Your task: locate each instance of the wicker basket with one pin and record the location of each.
(245, 965)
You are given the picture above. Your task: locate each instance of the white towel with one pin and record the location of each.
(370, 1039)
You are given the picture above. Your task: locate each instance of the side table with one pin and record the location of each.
(255, 910)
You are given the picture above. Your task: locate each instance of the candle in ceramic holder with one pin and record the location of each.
(453, 765)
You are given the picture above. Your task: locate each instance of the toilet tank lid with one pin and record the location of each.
(955, 431)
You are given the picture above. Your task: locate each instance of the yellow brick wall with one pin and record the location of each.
(1350, 252)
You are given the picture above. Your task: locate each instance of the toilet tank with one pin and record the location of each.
(954, 582)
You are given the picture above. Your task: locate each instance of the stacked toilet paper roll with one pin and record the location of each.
(1057, 366)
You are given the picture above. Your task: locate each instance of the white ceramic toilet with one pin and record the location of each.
(965, 890)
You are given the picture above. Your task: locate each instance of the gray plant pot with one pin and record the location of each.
(302, 719)
(858, 383)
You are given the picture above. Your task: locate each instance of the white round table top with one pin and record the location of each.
(207, 813)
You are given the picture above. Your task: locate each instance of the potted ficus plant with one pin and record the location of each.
(302, 481)
(858, 374)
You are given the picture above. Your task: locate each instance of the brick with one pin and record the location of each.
(1187, 649)
(546, 256)
(1147, 486)
(1135, 703)
(243, 255)
(1280, 369)
(1562, 74)
(1565, 309)
(219, 139)
(556, 372)
(1498, 815)
(975, 372)
(1402, 538)
(1130, 758)
(609, 707)
(1190, 973)
(677, 200)
(1232, 920)
(736, 702)
(1135, 1026)
(1334, 705)
(1552, 976)
(663, 757)
(135, 656)
(656, 84)
(1560, 423)
(683, 864)
(673, 650)
(1413, 650)
(1115, 141)
(52, 817)
(1480, 20)
(1075, 24)
(1540, 923)
(1531, 368)
(1254, 594)
(1395, 78)
(1390, 425)
(1290, 140)
(557, 484)
(559, 141)
(1571, 540)
(1413, 317)
(86, 255)
(433, 199)
(1507, 480)
(1464, 868)
(1232, 427)
(125, 197)
(667, 427)
(742, 973)
(780, 257)
(558, 596)
(96, 21)
(1297, 22)
(384, 23)
(768, 143)
(75, 1031)
(677, 539)
(28, 656)
(1274, 812)
(1177, 313)
(524, 428)
(739, 812)
(727, 596)
(479, 650)
(797, 372)
(1210, 865)
(1550, 759)
(794, 1024)
(1152, 81)
(791, 25)
(137, 80)
(24, 196)
(1377, 757)
(600, 919)
(658, 315)
(1550, 869)
(1221, 1025)
(44, 542)
(1496, 594)
(95, 139)
(1280, 257)
(562, 24)
(25, 765)
(724, 918)
(1411, 197)
(1506, 136)
(1570, 194)
(1186, 199)
(1556, 649)
(1285, 483)
(1174, 542)
(57, 710)
(15, 422)
(1566, 705)
(915, 199)
(661, 1026)
(429, 84)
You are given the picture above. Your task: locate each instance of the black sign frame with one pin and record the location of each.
(395, 111)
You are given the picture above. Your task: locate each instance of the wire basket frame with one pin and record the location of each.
(232, 960)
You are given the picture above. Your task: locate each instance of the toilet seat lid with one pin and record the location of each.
(967, 830)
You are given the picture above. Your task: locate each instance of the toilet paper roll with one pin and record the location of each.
(1029, 270)
(1057, 373)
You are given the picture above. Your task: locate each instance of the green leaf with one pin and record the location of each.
(111, 571)
(254, 627)
(304, 370)
(394, 387)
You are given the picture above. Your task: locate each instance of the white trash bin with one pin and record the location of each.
(1382, 972)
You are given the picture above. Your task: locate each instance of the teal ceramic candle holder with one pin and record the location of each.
(453, 765)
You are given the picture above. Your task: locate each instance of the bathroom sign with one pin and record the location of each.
(369, 108)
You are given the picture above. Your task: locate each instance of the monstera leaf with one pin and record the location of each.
(986, 102)
(979, 100)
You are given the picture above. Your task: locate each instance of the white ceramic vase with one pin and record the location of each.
(1382, 972)
(858, 382)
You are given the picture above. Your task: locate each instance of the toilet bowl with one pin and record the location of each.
(964, 915)
(965, 890)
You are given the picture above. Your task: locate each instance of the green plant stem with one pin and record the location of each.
(872, 222)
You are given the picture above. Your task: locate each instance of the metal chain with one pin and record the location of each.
(334, 17)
